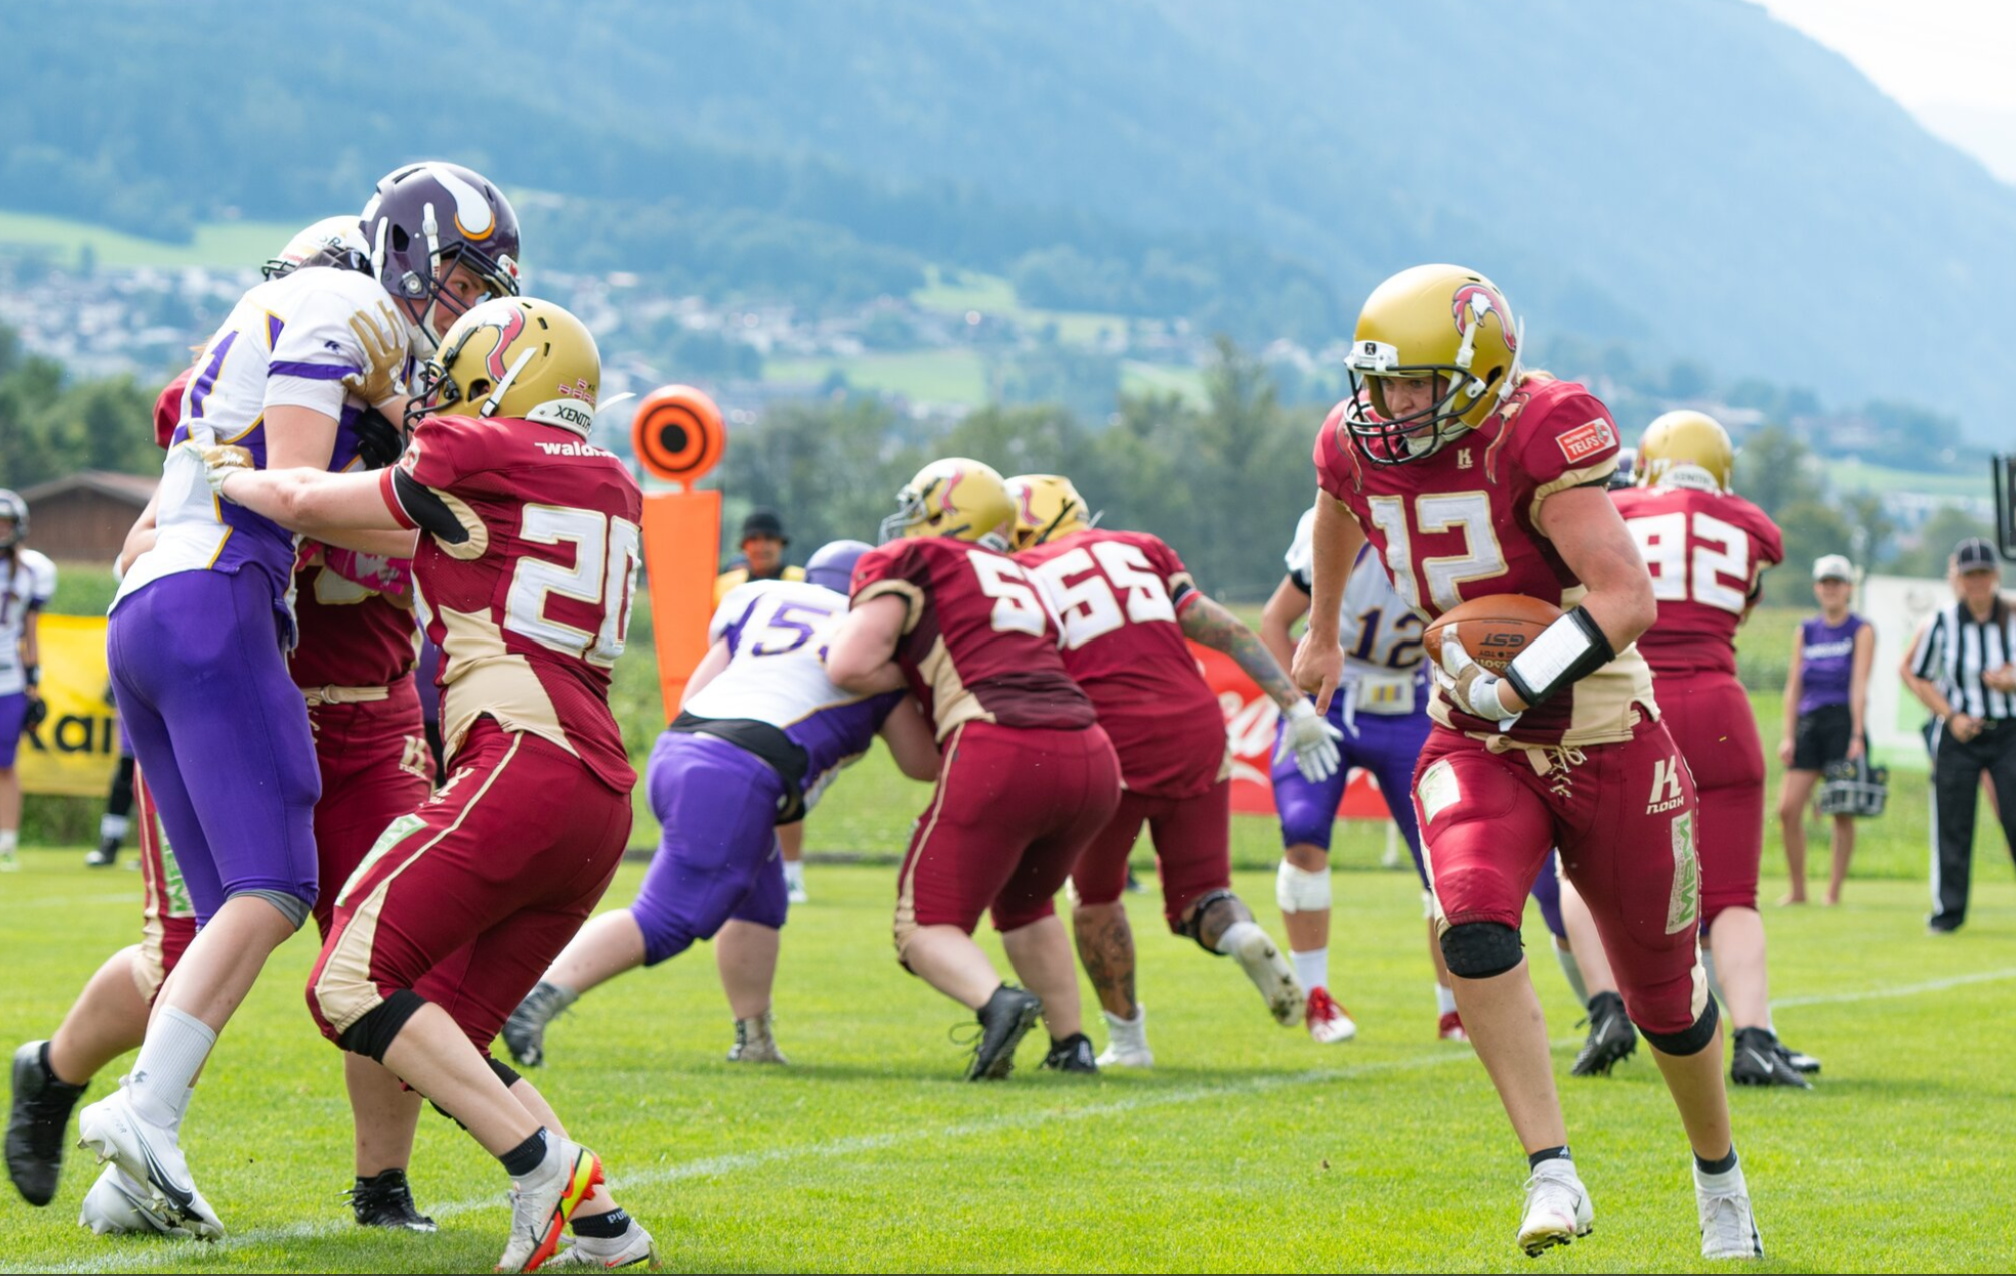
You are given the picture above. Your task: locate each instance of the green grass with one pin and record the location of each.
(1247, 1148)
(221, 245)
(1852, 474)
(995, 297)
(949, 375)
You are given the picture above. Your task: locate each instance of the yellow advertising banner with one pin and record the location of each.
(74, 751)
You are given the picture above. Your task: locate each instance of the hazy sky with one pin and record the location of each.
(1947, 61)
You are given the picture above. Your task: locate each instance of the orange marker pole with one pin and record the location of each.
(679, 436)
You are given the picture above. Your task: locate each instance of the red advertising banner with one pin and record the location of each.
(1249, 724)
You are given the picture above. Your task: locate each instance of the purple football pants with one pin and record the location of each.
(220, 731)
(718, 859)
(13, 719)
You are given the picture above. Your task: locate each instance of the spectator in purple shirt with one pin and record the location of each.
(1826, 700)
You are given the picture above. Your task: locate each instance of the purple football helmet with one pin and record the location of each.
(426, 218)
(833, 566)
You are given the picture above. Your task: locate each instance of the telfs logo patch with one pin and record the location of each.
(1586, 440)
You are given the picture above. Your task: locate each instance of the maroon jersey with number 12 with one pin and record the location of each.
(1704, 550)
(978, 642)
(1118, 596)
(530, 611)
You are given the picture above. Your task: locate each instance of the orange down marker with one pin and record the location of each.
(678, 436)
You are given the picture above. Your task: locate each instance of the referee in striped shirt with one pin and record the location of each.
(1963, 672)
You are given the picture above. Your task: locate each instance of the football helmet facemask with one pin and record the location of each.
(426, 219)
(1686, 449)
(1047, 507)
(13, 519)
(514, 357)
(1443, 322)
(958, 498)
(333, 241)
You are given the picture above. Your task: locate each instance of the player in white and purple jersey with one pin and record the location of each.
(27, 582)
(762, 731)
(199, 629)
(1382, 709)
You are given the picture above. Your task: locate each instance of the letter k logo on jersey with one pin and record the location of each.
(1666, 794)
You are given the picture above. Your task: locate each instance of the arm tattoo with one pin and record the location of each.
(1207, 621)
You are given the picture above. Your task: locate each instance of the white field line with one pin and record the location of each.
(130, 1258)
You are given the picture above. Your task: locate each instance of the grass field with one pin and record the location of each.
(953, 374)
(222, 245)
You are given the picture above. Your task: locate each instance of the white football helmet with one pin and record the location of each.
(331, 235)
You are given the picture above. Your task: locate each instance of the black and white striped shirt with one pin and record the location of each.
(1956, 649)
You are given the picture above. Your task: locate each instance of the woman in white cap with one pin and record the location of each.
(1826, 703)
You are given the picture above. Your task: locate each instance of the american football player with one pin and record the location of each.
(526, 576)
(1476, 477)
(1381, 713)
(27, 583)
(1028, 778)
(1126, 603)
(761, 734)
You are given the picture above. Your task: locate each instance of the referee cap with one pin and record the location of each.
(1975, 555)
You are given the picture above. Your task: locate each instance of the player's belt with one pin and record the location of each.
(1384, 695)
(344, 695)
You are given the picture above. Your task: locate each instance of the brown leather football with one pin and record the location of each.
(1493, 629)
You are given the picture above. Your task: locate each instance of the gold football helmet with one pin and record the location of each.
(1686, 449)
(1430, 321)
(956, 497)
(515, 357)
(1047, 506)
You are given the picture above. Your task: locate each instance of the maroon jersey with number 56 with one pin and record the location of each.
(531, 609)
(1704, 550)
(1118, 596)
(978, 642)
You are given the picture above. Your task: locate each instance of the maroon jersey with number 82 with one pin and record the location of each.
(531, 611)
(978, 641)
(1704, 550)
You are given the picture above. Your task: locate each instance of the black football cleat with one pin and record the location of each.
(1612, 1039)
(35, 1124)
(1798, 1059)
(1004, 1020)
(106, 856)
(1073, 1054)
(386, 1200)
(1758, 1061)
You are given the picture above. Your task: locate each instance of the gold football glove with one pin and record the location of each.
(381, 383)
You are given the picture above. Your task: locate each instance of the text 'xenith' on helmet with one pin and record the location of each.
(13, 519)
(833, 566)
(958, 498)
(1430, 321)
(332, 241)
(426, 218)
(1047, 507)
(517, 357)
(1686, 449)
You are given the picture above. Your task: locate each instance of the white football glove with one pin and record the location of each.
(1314, 741)
(1472, 688)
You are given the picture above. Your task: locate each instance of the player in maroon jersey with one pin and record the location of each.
(525, 573)
(1473, 478)
(1126, 603)
(1027, 777)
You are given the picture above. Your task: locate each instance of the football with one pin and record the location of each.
(1494, 629)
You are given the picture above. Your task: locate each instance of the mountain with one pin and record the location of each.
(1689, 179)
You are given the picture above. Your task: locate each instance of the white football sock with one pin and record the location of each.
(113, 826)
(1445, 1000)
(1128, 1034)
(794, 874)
(165, 1073)
(9, 841)
(1236, 934)
(1573, 969)
(1312, 969)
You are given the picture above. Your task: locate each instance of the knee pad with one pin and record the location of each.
(373, 1033)
(1481, 950)
(1300, 891)
(1688, 1041)
(1193, 927)
(292, 907)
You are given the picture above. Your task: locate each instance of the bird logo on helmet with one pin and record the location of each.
(958, 498)
(1047, 507)
(1686, 449)
(518, 357)
(1445, 324)
(423, 221)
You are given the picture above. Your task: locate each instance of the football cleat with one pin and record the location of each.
(1798, 1060)
(10, 862)
(1450, 1028)
(1329, 1023)
(525, 1030)
(542, 1204)
(1126, 1041)
(105, 856)
(1611, 1037)
(754, 1043)
(386, 1200)
(634, 1246)
(118, 1206)
(148, 1154)
(1073, 1054)
(1757, 1061)
(1004, 1020)
(1263, 963)
(1728, 1227)
(35, 1124)
(1557, 1208)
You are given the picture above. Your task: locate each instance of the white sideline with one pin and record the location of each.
(130, 1258)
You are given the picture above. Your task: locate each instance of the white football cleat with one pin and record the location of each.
(1728, 1228)
(754, 1042)
(543, 1202)
(1270, 972)
(1329, 1023)
(1557, 1208)
(149, 1155)
(118, 1206)
(1126, 1041)
(631, 1248)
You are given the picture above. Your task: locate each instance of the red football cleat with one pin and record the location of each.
(1451, 1028)
(1329, 1023)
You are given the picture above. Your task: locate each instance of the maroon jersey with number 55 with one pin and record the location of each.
(531, 608)
(978, 642)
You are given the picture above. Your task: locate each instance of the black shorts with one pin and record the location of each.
(1821, 737)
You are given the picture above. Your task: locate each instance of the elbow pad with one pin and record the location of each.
(1566, 652)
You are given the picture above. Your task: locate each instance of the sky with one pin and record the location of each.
(1945, 61)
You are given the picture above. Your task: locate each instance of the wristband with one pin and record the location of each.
(1567, 651)
(33, 673)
